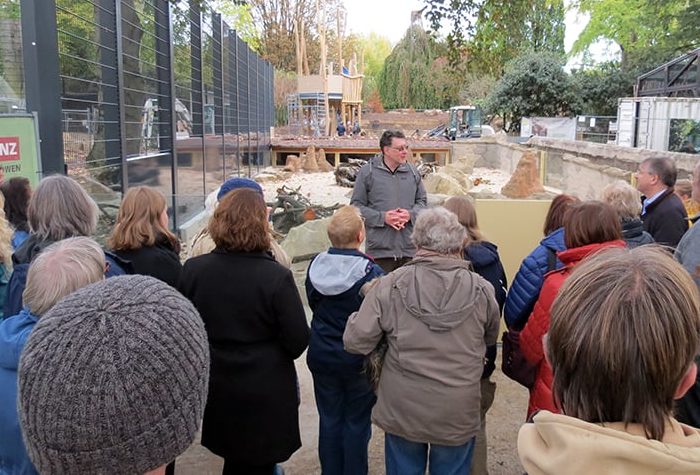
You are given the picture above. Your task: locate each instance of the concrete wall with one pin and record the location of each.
(575, 167)
(489, 152)
(515, 226)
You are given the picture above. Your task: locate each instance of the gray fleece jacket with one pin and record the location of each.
(438, 318)
(378, 190)
(688, 253)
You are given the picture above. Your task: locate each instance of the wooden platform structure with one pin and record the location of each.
(338, 149)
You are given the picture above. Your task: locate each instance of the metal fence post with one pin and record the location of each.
(41, 78)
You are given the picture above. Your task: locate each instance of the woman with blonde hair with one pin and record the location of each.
(141, 236)
(626, 202)
(62, 268)
(6, 233)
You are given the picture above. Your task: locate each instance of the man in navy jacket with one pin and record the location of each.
(663, 213)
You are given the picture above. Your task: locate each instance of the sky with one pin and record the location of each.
(391, 18)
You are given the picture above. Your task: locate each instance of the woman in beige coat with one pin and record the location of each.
(438, 317)
(624, 331)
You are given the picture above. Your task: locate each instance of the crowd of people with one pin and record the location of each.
(111, 359)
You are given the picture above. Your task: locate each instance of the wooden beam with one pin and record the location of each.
(340, 40)
(297, 47)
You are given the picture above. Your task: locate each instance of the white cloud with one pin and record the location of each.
(389, 18)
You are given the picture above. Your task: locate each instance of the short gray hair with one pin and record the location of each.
(664, 168)
(624, 199)
(60, 208)
(438, 229)
(62, 268)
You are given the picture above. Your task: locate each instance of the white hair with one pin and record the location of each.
(624, 199)
(437, 229)
(62, 268)
(211, 201)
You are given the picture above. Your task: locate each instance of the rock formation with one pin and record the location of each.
(310, 163)
(292, 164)
(321, 161)
(525, 180)
(444, 184)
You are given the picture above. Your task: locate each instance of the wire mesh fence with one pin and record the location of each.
(152, 92)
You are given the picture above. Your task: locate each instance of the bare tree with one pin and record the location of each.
(278, 20)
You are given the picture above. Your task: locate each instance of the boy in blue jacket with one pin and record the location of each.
(344, 396)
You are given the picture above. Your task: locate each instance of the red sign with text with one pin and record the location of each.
(9, 149)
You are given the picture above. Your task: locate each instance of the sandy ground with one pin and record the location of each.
(503, 420)
(321, 188)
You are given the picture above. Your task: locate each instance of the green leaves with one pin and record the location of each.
(670, 26)
(492, 32)
(416, 75)
(534, 84)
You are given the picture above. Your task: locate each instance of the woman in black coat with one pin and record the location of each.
(141, 236)
(257, 328)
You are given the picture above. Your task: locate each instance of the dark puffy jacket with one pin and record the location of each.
(333, 284)
(528, 281)
(633, 233)
(487, 263)
(24, 255)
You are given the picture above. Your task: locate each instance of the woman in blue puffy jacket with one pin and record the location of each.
(528, 281)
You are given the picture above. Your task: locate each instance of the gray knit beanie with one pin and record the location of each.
(113, 379)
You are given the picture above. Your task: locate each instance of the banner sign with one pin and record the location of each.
(19, 147)
(552, 127)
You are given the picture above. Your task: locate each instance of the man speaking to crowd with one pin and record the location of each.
(389, 193)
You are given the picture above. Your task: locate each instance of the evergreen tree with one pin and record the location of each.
(534, 84)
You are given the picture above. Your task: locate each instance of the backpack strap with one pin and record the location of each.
(551, 260)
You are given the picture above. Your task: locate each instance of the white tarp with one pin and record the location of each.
(552, 127)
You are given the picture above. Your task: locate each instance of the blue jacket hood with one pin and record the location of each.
(333, 287)
(554, 240)
(14, 332)
(337, 270)
(482, 254)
